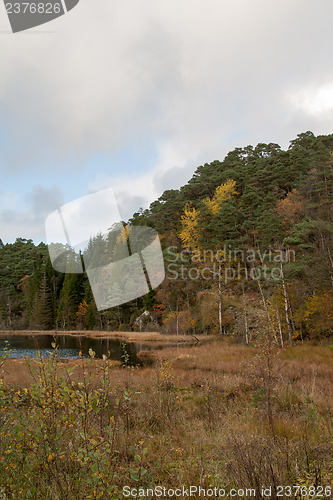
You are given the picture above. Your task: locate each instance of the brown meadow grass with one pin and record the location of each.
(214, 414)
(122, 335)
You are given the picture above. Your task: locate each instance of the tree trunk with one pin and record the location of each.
(279, 321)
(245, 319)
(286, 307)
(269, 319)
(220, 301)
(9, 312)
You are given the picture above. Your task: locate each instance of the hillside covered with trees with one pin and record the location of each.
(247, 242)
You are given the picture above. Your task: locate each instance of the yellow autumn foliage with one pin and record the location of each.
(190, 234)
(123, 235)
(319, 313)
(222, 193)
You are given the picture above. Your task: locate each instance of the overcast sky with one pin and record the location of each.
(136, 94)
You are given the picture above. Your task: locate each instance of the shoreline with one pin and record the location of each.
(99, 334)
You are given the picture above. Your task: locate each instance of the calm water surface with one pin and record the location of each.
(69, 347)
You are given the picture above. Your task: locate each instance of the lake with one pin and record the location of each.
(69, 346)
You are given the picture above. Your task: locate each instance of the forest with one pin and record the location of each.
(247, 243)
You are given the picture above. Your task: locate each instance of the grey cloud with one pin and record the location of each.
(129, 203)
(195, 79)
(44, 200)
(173, 178)
(177, 71)
(29, 222)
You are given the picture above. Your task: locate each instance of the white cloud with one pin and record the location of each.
(193, 79)
(315, 100)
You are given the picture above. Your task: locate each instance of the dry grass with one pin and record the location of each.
(211, 415)
(17, 372)
(155, 337)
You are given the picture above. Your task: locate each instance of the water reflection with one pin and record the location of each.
(70, 346)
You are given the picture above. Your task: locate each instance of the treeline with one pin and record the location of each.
(35, 296)
(247, 245)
